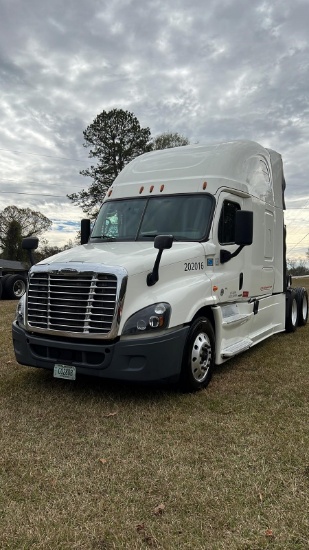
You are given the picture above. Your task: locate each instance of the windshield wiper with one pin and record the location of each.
(152, 234)
(149, 234)
(104, 237)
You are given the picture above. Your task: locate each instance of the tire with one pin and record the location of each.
(5, 278)
(15, 287)
(291, 310)
(302, 302)
(199, 356)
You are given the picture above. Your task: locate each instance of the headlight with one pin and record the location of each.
(151, 318)
(20, 310)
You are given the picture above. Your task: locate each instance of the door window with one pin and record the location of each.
(226, 231)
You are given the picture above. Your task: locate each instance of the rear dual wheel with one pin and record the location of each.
(291, 310)
(302, 302)
(14, 286)
(296, 308)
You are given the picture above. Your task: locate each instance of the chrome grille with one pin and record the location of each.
(77, 303)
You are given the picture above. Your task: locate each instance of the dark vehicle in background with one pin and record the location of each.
(13, 279)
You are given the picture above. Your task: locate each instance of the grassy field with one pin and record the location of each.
(101, 466)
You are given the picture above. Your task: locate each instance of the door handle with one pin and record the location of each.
(241, 280)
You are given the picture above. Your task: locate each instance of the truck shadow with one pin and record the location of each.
(88, 388)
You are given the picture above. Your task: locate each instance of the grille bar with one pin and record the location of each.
(75, 303)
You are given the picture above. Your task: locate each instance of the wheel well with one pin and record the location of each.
(205, 312)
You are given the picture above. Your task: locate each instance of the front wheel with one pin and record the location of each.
(199, 356)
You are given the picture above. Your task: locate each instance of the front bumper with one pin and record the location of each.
(146, 359)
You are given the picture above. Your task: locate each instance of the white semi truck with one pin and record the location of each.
(183, 269)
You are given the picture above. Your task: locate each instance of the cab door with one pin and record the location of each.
(229, 276)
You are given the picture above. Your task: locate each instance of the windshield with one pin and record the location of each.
(187, 217)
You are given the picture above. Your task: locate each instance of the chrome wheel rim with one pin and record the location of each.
(201, 355)
(304, 307)
(294, 312)
(19, 289)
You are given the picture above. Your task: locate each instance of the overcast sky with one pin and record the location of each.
(212, 71)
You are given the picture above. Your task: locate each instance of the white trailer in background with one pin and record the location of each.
(184, 268)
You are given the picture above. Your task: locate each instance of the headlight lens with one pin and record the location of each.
(20, 310)
(151, 318)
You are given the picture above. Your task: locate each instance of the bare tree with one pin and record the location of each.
(17, 223)
(168, 140)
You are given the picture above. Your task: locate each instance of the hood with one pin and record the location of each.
(135, 257)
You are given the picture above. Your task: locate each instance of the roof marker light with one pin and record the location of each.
(109, 193)
(161, 188)
(151, 188)
(204, 185)
(141, 190)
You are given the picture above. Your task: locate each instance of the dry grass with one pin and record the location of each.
(85, 464)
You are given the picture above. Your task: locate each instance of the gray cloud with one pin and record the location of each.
(215, 71)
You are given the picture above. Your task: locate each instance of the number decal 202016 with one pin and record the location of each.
(193, 266)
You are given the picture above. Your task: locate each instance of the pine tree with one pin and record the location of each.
(115, 138)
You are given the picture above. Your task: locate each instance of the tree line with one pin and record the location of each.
(16, 224)
(297, 267)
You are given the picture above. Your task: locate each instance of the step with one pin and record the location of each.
(236, 348)
(237, 318)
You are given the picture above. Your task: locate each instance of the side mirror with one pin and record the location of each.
(84, 231)
(244, 227)
(30, 244)
(161, 242)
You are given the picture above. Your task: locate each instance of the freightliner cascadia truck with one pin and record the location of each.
(183, 269)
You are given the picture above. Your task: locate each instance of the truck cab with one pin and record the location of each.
(183, 269)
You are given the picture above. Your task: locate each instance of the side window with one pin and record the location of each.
(226, 231)
(265, 171)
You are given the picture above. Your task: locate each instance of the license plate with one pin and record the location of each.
(64, 371)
